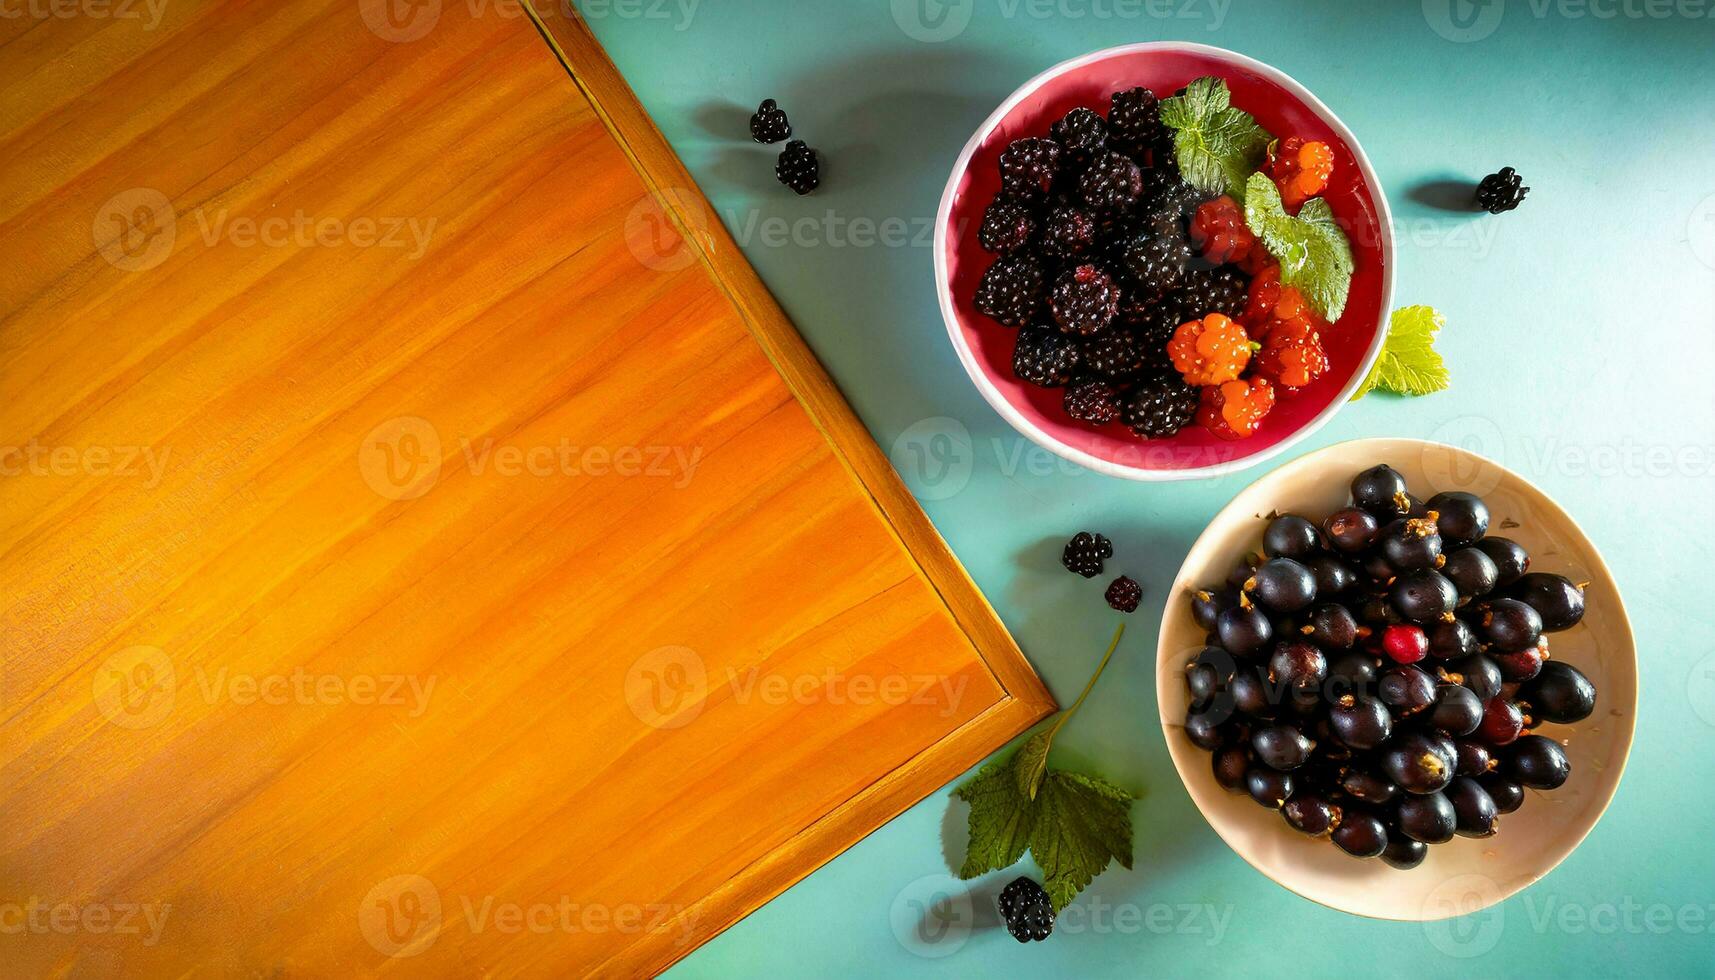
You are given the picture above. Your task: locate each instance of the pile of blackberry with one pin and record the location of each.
(1095, 268)
(1378, 678)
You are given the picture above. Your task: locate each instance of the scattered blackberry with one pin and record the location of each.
(1157, 263)
(1084, 300)
(1012, 290)
(1501, 191)
(1068, 233)
(1085, 552)
(769, 124)
(1117, 354)
(798, 168)
(1134, 121)
(1025, 908)
(1092, 400)
(1124, 594)
(1160, 406)
(1045, 357)
(1111, 184)
(1223, 289)
(1082, 135)
(1006, 227)
(1028, 167)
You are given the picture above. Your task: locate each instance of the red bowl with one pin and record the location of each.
(1284, 108)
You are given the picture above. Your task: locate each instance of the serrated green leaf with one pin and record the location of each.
(1409, 363)
(1084, 823)
(1217, 146)
(1031, 763)
(1001, 819)
(1314, 254)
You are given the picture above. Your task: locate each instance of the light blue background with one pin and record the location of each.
(1580, 341)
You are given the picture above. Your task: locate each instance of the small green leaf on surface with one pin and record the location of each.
(1409, 364)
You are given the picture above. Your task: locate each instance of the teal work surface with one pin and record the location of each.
(1580, 342)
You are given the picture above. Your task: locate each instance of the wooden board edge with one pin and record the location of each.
(674, 190)
(827, 838)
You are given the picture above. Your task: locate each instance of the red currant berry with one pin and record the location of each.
(1405, 644)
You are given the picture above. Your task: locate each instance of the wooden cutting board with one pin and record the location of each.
(426, 545)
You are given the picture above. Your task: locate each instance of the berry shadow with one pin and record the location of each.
(1447, 193)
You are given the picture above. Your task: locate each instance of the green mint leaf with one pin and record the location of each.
(1314, 254)
(1084, 823)
(1217, 146)
(1001, 819)
(1031, 762)
(1409, 364)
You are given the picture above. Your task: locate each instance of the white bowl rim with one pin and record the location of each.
(992, 394)
(1618, 613)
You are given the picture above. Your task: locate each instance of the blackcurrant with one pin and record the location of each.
(1472, 572)
(1560, 693)
(1298, 665)
(1351, 531)
(1204, 728)
(1281, 747)
(1245, 631)
(1208, 604)
(1252, 695)
(1334, 576)
(1472, 758)
(1457, 711)
(1368, 787)
(1507, 794)
(1419, 764)
(1291, 536)
(1462, 518)
(1474, 811)
(1411, 544)
(1282, 585)
(1375, 565)
(1508, 625)
(1518, 666)
(1242, 572)
(1351, 673)
(1538, 762)
(1361, 722)
(1309, 813)
(1406, 689)
(1510, 558)
(1451, 641)
(1404, 853)
(1502, 722)
(1269, 787)
(1361, 834)
(1202, 681)
(1559, 602)
(1230, 764)
(1423, 596)
(1480, 674)
(1333, 627)
(1381, 491)
(1428, 818)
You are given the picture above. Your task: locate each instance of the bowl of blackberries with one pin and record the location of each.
(1164, 261)
(1391, 668)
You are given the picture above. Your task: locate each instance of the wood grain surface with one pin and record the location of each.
(427, 547)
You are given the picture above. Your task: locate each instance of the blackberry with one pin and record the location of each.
(1085, 552)
(1068, 233)
(1006, 227)
(1224, 290)
(1082, 135)
(1501, 191)
(1092, 400)
(1167, 197)
(1111, 184)
(1124, 594)
(1160, 406)
(769, 124)
(1117, 354)
(1084, 300)
(1044, 357)
(1156, 263)
(1012, 290)
(1025, 908)
(798, 168)
(1028, 167)
(1134, 121)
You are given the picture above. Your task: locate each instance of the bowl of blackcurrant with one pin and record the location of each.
(1392, 665)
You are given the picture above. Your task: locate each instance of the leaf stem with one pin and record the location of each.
(1066, 715)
